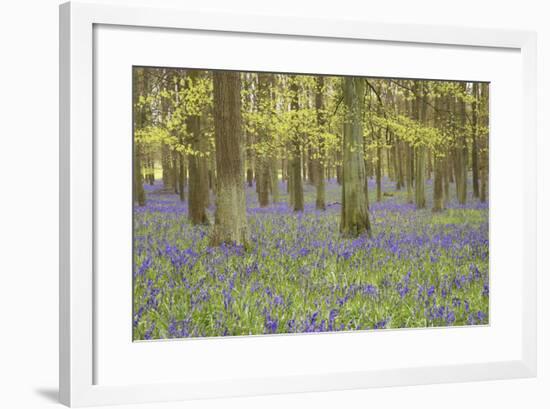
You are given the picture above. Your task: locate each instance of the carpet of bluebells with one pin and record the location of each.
(419, 269)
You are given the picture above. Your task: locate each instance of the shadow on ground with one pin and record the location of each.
(50, 394)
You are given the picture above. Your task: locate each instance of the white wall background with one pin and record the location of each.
(29, 199)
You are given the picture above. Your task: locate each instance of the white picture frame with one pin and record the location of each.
(78, 386)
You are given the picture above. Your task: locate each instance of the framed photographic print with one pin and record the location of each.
(255, 204)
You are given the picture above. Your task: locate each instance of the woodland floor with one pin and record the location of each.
(419, 269)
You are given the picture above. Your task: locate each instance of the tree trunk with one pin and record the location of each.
(420, 195)
(420, 150)
(230, 224)
(165, 161)
(275, 195)
(182, 176)
(379, 168)
(397, 164)
(140, 88)
(320, 167)
(339, 167)
(354, 217)
(198, 176)
(263, 162)
(462, 154)
(297, 190)
(408, 172)
(139, 192)
(249, 176)
(438, 185)
(445, 172)
(484, 154)
(263, 182)
(175, 181)
(475, 165)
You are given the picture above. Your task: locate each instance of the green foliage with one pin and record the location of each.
(274, 126)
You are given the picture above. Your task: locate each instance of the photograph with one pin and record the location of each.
(290, 203)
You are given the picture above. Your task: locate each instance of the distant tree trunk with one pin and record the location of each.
(399, 164)
(441, 181)
(420, 150)
(230, 224)
(289, 185)
(263, 182)
(198, 176)
(445, 173)
(311, 172)
(354, 216)
(462, 154)
(165, 108)
(182, 176)
(475, 165)
(339, 167)
(379, 167)
(175, 181)
(366, 188)
(263, 162)
(297, 190)
(365, 162)
(450, 167)
(320, 167)
(150, 170)
(249, 176)
(165, 162)
(438, 185)
(152, 175)
(397, 170)
(420, 195)
(275, 195)
(408, 172)
(430, 164)
(296, 186)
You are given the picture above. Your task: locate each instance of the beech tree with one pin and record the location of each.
(198, 165)
(295, 171)
(230, 225)
(140, 85)
(354, 216)
(319, 161)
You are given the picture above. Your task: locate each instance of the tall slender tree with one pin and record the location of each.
(263, 170)
(198, 167)
(419, 114)
(296, 183)
(484, 146)
(140, 87)
(319, 162)
(475, 130)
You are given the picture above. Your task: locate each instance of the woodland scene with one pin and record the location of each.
(274, 203)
